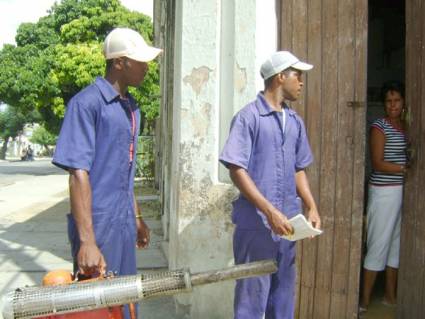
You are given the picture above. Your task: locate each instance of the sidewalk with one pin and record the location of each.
(33, 239)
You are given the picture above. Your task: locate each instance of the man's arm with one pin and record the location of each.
(303, 190)
(89, 258)
(276, 219)
(143, 235)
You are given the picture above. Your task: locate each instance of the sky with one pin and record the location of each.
(12, 14)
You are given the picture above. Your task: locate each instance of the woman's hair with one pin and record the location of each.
(390, 86)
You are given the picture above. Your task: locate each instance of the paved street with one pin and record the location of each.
(33, 207)
(15, 170)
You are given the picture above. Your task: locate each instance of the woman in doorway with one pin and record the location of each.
(388, 144)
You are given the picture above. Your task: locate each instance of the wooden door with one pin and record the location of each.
(411, 285)
(332, 35)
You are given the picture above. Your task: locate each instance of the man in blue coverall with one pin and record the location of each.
(97, 146)
(266, 153)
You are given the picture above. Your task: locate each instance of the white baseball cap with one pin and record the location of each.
(124, 42)
(280, 61)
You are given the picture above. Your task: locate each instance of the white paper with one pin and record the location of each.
(302, 228)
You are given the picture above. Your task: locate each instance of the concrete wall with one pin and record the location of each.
(217, 49)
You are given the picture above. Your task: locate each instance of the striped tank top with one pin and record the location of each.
(394, 152)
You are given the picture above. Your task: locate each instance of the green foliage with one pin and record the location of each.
(12, 122)
(148, 96)
(41, 34)
(145, 159)
(62, 53)
(20, 86)
(43, 137)
(75, 66)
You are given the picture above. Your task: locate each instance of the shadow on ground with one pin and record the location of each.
(36, 245)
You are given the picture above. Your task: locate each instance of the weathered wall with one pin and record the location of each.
(217, 46)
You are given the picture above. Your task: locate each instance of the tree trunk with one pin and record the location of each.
(4, 148)
(47, 151)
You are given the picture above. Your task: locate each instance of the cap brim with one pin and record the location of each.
(145, 55)
(302, 66)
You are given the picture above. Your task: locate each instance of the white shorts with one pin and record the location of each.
(383, 227)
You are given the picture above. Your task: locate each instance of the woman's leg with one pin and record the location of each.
(391, 285)
(391, 269)
(369, 277)
(383, 217)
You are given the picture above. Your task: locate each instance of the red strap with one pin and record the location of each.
(133, 132)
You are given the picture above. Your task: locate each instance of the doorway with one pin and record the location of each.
(386, 62)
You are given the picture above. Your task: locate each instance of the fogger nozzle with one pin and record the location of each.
(30, 302)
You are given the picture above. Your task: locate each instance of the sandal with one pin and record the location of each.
(388, 304)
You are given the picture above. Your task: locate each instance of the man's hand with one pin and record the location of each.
(279, 223)
(314, 218)
(90, 260)
(143, 235)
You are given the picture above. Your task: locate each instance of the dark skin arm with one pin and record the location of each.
(143, 236)
(303, 190)
(89, 258)
(276, 219)
(377, 144)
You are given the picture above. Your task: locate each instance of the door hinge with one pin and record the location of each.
(355, 104)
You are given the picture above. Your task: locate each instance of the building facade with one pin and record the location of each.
(212, 53)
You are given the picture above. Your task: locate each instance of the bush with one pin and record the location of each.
(43, 137)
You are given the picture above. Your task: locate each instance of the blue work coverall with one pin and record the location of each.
(95, 136)
(271, 154)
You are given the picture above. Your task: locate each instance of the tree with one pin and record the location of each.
(61, 53)
(12, 123)
(43, 137)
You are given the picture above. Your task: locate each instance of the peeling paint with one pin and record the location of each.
(240, 78)
(198, 78)
(201, 120)
(200, 198)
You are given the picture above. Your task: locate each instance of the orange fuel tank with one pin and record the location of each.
(63, 277)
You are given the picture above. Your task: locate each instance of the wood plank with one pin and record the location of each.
(357, 173)
(421, 225)
(312, 89)
(345, 148)
(329, 78)
(286, 43)
(359, 133)
(293, 25)
(286, 25)
(402, 296)
(408, 299)
(418, 235)
(299, 45)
